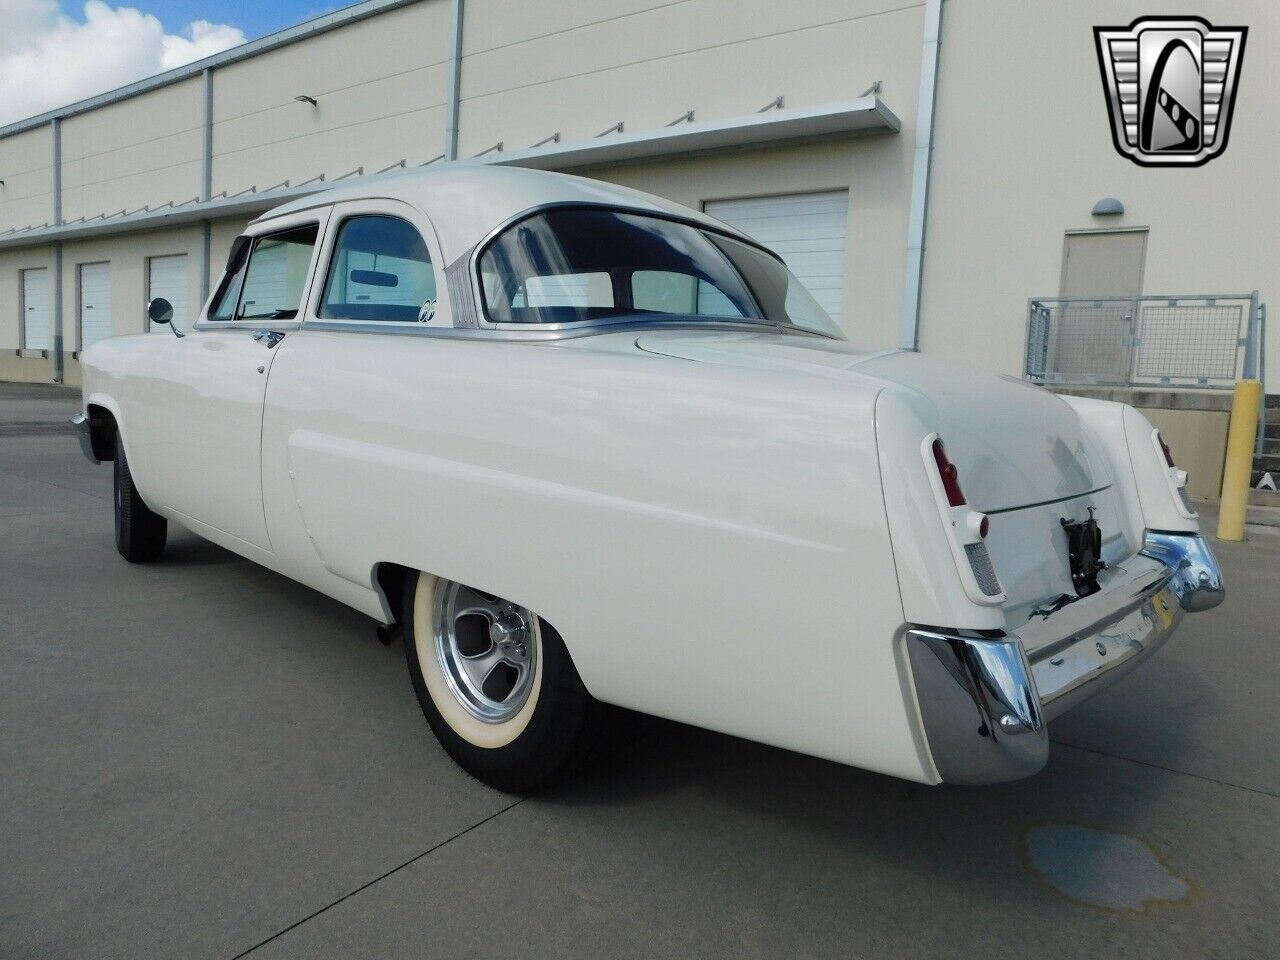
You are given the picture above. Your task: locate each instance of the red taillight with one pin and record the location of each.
(949, 475)
(1168, 454)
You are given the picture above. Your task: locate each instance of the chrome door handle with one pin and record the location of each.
(271, 336)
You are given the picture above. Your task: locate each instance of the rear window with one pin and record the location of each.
(566, 266)
(579, 264)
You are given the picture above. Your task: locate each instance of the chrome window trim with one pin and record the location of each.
(538, 333)
(256, 232)
(208, 326)
(345, 210)
(477, 293)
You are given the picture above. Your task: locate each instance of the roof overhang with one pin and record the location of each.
(850, 117)
(865, 115)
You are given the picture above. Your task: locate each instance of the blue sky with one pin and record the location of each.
(254, 17)
(54, 52)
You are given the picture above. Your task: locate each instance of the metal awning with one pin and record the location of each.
(865, 115)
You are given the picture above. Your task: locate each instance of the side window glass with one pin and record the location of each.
(265, 276)
(380, 270)
(224, 305)
(276, 274)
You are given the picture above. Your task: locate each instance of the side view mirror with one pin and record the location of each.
(160, 310)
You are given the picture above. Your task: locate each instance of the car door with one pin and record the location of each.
(379, 288)
(209, 387)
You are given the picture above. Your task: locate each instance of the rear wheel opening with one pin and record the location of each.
(498, 687)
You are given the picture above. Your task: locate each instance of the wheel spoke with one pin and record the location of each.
(478, 668)
(470, 600)
(488, 649)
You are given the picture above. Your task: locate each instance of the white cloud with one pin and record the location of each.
(205, 39)
(48, 59)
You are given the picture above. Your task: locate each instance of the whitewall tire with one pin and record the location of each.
(498, 686)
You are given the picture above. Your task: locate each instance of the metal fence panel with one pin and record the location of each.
(1093, 342)
(1190, 342)
(1143, 341)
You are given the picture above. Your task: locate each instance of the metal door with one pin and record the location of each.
(95, 303)
(35, 309)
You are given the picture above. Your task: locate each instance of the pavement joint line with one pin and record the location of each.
(1173, 770)
(378, 879)
(22, 514)
(56, 486)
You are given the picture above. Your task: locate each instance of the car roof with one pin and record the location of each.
(467, 201)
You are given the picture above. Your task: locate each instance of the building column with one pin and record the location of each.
(59, 364)
(455, 85)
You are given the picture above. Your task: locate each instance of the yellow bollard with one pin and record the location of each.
(1241, 434)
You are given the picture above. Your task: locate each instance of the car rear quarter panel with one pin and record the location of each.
(710, 541)
(931, 589)
(1140, 470)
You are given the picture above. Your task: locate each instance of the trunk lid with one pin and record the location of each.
(1023, 455)
(1015, 444)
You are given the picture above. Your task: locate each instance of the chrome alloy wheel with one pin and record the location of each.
(488, 650)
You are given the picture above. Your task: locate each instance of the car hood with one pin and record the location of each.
(1016, 445)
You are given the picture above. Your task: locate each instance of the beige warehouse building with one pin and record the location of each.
(930, 194)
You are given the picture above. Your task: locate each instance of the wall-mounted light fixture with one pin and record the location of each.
(1108, 207)
(303, 98)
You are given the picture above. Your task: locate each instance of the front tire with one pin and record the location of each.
(140, 532)
(498, 687)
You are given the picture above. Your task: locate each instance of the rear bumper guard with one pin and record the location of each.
(985, 701)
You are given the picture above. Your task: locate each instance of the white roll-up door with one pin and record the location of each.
(95, 303)
(807, 230)
(167, 277)
(35, 309)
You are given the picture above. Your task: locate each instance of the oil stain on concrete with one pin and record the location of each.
(1101, 869)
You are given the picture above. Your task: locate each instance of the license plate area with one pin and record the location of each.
(1084, 553)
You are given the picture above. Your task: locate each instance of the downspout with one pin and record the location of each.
(455, 85)
(206, 184)
(910, 338)
(59, 372)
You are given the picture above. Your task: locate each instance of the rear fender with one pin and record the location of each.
(1145, 483)
(929, 577)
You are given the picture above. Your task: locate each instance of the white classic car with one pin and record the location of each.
(587, 449)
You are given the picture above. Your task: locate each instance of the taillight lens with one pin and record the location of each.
(949, 475)
(1168, 454)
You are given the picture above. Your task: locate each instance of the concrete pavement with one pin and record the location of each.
(202, 759)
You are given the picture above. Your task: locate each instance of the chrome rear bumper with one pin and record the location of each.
(985, 697)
